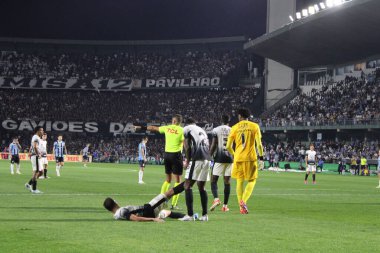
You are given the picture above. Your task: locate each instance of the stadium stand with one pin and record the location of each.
(187, 64)
(358, 103)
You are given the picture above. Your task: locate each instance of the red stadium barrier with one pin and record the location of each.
(50, 157)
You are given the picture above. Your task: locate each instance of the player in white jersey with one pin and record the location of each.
(85, 152)
(44, 160)
(222, 165)
(35, 158)
(197, 163)
(311, 163)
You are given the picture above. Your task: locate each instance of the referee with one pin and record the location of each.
(173, 152)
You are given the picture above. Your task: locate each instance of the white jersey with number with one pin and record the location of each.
(199, 144)
(221, 154)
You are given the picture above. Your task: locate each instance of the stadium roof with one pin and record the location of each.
(240, 39)
(333, 36)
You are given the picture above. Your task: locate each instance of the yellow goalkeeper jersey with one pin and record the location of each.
(247, 137)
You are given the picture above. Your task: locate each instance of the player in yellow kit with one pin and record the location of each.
(246, 136)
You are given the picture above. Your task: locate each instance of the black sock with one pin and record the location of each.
(175, 215)
(30, 182)
(179, 188)
(227, 190)
(314, 177)
(204, 201)
(306, 176)
(45, 172)
(34, 186)
(189, 201)
(214, 189)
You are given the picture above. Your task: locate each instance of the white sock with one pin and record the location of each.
(379, 182)
(18, 167)
(141, 173)
(12, 166)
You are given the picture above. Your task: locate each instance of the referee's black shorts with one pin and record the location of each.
(173, 163)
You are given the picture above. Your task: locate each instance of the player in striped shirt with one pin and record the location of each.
(59, 151)
(14, 150)
(142, 158)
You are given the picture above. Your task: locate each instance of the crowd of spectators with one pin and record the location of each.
(329, 151)
(204, 105)
(352, 101)
(119, 65)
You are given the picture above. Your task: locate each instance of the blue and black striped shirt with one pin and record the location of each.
(59, 148)
(13, 149)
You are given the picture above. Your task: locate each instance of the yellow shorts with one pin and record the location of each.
(245, 170)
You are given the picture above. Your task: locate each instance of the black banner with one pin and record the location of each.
(107, 84)
(78, 126)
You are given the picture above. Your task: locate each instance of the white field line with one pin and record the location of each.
(153, 194)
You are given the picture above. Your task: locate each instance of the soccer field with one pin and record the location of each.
(339, 214)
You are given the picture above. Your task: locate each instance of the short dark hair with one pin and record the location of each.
(109, 204)
(244, 113)
(190, 120)
(37, 128)
(59, 135)
(44, 133)
(145, 137)
(311, 144)
(15, 138)
(225, 119)
(178, 117)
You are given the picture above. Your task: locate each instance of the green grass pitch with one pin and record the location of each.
(339, 214)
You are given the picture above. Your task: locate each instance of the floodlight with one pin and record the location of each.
(329, 3)
(316, 7)
(311, 10)
(305, 13)
(338, 2)
(323, 6)
(291, 18)
(298, 15)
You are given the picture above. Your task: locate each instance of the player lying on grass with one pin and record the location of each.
(153, 211)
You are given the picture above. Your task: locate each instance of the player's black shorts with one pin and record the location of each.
(59, 159)
(15, 159)
(142, 163)
(85, 158)
(148, 211)
(173, 163)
